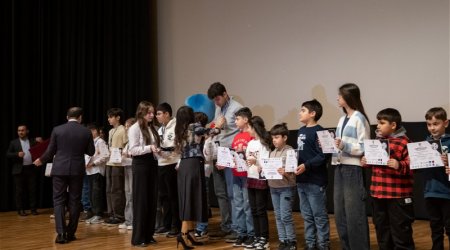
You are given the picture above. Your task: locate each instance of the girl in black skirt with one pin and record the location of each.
(191, 175)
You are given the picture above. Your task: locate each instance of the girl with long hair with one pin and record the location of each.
(143, 141)
(349, 188)
(191, 176)
(257, 149)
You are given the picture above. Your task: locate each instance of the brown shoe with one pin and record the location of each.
(86, 215)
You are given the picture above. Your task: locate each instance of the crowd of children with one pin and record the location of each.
(186, 157)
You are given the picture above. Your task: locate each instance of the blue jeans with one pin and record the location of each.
(203, 226)
(85, 194)
(282, 200)
(350, 207)
(244, 219)
(313, 207)
(229, 180)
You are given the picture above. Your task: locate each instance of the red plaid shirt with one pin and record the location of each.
(393, 183)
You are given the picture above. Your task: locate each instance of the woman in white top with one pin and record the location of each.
(143, 143)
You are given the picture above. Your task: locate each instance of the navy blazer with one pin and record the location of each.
(14, 148)
(68, 144)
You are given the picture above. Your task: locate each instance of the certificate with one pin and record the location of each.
(291, 161)
(48, 169)
(425, 154)
(87, 159)
(239, 159)
(115, 156)
(270, 168)
(376, 152)
(326, 139)
(224, 157)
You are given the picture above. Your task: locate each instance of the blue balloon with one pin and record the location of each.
(201, 103)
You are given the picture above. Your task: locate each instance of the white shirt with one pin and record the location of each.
(136, 142)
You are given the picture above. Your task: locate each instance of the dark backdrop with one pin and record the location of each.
(56, 54)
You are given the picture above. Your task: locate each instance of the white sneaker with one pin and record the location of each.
(123, 226)
(130, 227)
(95, 220)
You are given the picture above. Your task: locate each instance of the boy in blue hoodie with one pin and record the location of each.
(437, 184)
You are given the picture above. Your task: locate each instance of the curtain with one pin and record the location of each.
(56, 54)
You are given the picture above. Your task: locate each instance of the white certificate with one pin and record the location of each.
(87, 159)
(48, 169)
(115, 156)
(326, 139)
(425, 154)
(224, 157)
(239, 159)
(270, 168)
(376, 152)
(253, 172)
(291, 161)
(90, 170)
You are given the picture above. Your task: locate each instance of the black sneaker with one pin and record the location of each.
(292, 245)
(113, 222)
(283, 245)
(263, 244)
(239, 242)
(252, 245)
(231, 238)
(161, 230)
(172, 233)
(86, 215)
(248, 241)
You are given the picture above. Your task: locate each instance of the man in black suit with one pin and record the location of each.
(23, 170)
(68, 144)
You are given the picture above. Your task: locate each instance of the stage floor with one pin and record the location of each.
(38, 232)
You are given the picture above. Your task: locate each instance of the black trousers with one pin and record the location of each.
(439, 212)
(168, 196)
(26, 187)
(97, 193)
(258, 205)
(67, 191)
(145, 194)
(392, 219)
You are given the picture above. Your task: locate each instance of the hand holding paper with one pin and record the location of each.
(327, 142)
(291, 161)
(425, 154)
(270, 168)
(393, 163)
(224, 157)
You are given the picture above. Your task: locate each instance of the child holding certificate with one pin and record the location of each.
(312, 178)
(283, 191)
(392, 186)
(437, 184)
(349, 190)
(257, 185)
(243, 213)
